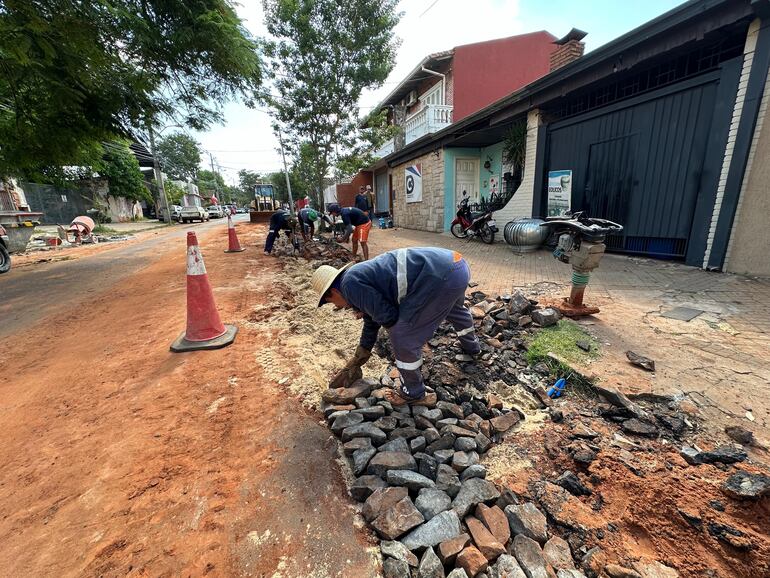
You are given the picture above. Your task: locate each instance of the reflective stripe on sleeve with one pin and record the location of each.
(409, 365)
(465, 331)
(401, 273)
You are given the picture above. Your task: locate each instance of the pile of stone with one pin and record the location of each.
(504, 325)
(425, 492)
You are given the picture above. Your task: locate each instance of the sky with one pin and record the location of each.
(246, 140)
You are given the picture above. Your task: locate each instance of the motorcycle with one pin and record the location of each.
(465, 225)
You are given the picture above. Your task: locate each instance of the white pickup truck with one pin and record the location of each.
(193, 209)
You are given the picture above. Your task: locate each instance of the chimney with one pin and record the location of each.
(568, 49)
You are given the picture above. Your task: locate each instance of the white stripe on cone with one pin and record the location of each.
(230, 222)
(195, 264)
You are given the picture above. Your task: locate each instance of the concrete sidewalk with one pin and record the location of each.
(722, 356)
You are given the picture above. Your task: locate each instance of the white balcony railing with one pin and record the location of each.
(431, 118)
(385, 149)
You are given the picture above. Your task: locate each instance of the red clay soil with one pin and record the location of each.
(640, 503)
(121, 458)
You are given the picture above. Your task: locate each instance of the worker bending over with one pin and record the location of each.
(281, 220)
(307, 218)
(409, 292)
(356, 223)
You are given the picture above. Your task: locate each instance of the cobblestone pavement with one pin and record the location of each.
(721, 357)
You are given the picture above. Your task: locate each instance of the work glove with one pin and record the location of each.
(352, 370)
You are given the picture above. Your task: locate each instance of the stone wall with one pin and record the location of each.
(427, 215)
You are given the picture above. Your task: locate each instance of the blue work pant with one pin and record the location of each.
(408, 338)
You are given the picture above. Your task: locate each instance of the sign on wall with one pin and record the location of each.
(413, 183)
(559, 192)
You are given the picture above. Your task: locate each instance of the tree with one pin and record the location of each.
(174, 192)
(278, 180)
(247, 180)
(209, 183)
(180, 156)
(121, 169)
(374, 132)
(75, 74)
(324, 54)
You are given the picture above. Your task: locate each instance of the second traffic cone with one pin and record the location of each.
(232, 239)
(205, 329)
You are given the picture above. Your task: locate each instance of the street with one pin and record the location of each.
(123, 458)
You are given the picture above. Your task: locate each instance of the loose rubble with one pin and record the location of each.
(440, 485)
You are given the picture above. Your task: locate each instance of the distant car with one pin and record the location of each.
(5, 257)
(216, 212)
(176, 213)
(193, 213)
(241, 210)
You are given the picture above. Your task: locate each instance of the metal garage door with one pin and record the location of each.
(649, 163)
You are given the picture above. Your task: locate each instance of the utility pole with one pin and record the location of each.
(214, 172)
(286, 172)
(158, 176)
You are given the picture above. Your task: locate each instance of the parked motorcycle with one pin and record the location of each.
(465, 225)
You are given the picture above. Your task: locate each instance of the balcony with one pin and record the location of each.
(386, 149)
(431, 118)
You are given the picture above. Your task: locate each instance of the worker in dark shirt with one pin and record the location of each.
(281, 220)
(409, 292)
(307, 218)
(356, 223)
(362, 201)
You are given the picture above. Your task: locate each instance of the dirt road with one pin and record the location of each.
(124, 459)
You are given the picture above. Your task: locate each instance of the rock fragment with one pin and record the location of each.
(409, 479)
(383, 462)
(440, 528)
(747, 486)
(558, 554)
(526, 519)
(382, 499)
(398, 519)
(449, 549)
(393, 568)
(485, 541)
(432, 502)
(496, 522)
(472, 492)
(398, 551)
(363, 487)
(472, 561)
(430, 565)
(545, 317)
(530, 557)
(347, 395)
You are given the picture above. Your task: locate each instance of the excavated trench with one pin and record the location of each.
(590, 484)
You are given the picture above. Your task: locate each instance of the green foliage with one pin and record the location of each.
(75, 74)
(278, 180)
(174, 192)
(180, 156)
(324, 54)
(374, 132)
(121, 169)
(515, 145)
(209, 183)
(247, 180)
(561, 339)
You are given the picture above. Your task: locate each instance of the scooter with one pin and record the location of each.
(466, 226)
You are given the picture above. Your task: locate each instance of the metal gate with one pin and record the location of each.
(646, 162)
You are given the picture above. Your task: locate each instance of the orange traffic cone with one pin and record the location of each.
(233, 245)
(204, 328)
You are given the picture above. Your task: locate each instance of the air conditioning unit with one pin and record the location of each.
(411, 98)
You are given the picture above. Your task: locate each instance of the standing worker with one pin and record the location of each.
(371, 199)
(409, 292)
(361, 202)
(281, 220)
(356, 222)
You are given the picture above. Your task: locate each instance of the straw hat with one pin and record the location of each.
(324, 277)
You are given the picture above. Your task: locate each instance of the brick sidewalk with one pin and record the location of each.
(743, 302)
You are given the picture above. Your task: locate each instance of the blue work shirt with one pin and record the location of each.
(353, 216)
(362, 202)
(394, 286)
